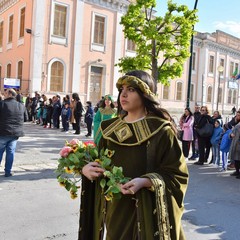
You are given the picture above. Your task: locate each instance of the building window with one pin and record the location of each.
(194, 61)
(209, 94)
(22, 23)
(20, 69)
(131, 46)
(9, 66)
(191, 92)
(99, 29)
(57, 73)
(220, 95)
(229, 96)
(165, 92)
(10, 29)
(211, 64)
(1, 34)
(234, 99)
(179, 91)
(60, 20)
(0, 72)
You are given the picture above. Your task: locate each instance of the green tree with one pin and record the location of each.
(162, 43)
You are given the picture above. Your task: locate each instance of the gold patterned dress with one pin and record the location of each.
(146, 148)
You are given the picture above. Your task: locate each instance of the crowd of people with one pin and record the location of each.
(205, 133)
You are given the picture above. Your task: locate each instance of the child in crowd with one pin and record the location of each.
(225, 145)
(66, 115)
(215, 141)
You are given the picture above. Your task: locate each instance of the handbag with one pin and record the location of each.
(180, 135)
(206, 130)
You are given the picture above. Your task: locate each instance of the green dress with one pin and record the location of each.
(101, 115)
(146, 148)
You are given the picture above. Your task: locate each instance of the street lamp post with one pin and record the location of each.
(220, 70)
(190, 63)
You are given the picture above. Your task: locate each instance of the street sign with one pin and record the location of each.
(11, 83)
(232, 84)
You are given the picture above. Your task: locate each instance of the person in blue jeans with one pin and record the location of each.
(66, 116)
(215, 141)
(11, 127)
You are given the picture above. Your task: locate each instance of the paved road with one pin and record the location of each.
(34, 207)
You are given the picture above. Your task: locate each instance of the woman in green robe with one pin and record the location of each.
(105, 112)
(145, 144)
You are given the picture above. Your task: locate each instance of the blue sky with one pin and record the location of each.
(213, 15)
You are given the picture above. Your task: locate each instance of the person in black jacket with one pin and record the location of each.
(196, 115)
(11, 127)
(77, 112)
(89, 118)
(204, 143)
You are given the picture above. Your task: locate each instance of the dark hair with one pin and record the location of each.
(189, 110)
(89, 103)
(152, 106)
(75, 96)
(205, 108)
(103, 104)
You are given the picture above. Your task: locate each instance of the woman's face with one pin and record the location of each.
(130, 100)
(186, 112)
(203, 110)
(215, 114)
(107, 102)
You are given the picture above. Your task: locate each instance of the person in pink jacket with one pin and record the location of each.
(186, 124)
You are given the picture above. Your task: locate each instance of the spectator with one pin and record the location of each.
(196, 115)
(234, 152)
(215, 141)
(56, 112)
(89, 118)
(66, 116)
(11, 127)
(204, 143)
(234, 121)
(234, 110)
(186, 124)
(225, 146)
(78, 110)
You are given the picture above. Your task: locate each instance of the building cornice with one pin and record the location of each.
(221, 48)
(114, 5)
(6, 4)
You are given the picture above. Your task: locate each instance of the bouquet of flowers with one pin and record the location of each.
(75, 155)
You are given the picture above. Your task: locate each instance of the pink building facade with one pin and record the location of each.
(64, 46)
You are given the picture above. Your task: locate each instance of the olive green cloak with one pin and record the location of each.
(146, 148)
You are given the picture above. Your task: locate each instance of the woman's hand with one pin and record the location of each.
(134, 185)
(92, 170)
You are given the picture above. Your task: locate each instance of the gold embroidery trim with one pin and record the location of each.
(142, 137)
(123, 133)
(141, 130)
(161, 206)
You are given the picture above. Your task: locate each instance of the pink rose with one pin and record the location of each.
(65, 151)
(74, 142)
